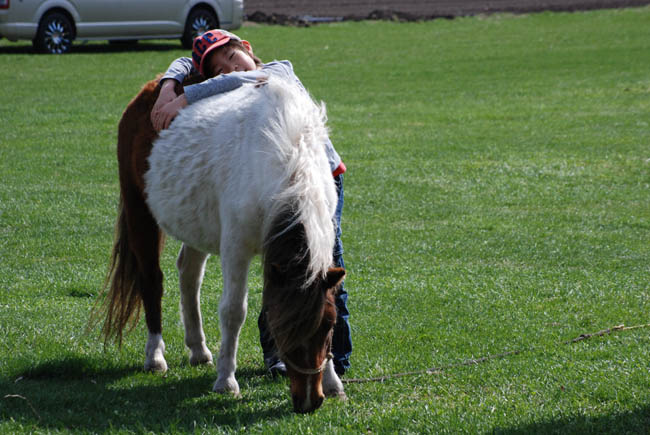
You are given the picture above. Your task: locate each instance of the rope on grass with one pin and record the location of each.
(471, 362)
(18, 396)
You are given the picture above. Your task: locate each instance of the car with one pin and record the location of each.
(52, 25)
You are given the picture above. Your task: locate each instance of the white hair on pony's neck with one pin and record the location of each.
(299, 134)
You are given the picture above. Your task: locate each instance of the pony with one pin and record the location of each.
(237, 175)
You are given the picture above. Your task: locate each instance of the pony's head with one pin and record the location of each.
(300, 312)
(301, 321)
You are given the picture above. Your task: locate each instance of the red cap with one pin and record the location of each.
(207, 42)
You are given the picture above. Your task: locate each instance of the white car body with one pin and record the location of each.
(114, 19)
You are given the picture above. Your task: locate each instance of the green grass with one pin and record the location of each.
(497, 199)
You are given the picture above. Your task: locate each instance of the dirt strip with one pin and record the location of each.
(292, 11)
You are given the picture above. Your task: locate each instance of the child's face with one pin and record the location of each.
(229, 59)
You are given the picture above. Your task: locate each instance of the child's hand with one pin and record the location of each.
(166, 95)
(166, 115)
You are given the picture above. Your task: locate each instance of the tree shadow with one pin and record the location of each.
(635, 421)
(73, 393)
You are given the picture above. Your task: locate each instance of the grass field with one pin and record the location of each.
(497, 200)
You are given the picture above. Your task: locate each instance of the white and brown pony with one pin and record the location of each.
(238, 174)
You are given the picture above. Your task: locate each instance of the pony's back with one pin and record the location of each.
(234, 161)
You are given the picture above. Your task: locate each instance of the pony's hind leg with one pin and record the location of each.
(191, 267)
(147, 246)
(145, 240)
(232, 313)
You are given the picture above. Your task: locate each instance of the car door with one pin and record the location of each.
(97, 17)
(154, 17)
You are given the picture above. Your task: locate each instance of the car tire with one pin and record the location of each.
(55, 34)
(198, 21)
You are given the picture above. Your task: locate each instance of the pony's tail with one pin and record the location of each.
(121, 299)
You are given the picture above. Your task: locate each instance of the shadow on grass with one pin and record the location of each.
(73, 393)
(636, 421)
(95, 48)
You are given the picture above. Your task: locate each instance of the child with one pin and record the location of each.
(227, 62)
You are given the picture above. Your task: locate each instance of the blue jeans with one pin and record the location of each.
(341, 340)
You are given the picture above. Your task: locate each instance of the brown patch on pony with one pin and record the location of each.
(294, 312)
(134, 277)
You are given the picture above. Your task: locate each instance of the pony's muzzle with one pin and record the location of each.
(306, 406)
(307, 393)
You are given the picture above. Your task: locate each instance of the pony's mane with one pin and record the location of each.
(307, 196)
(299, 234)
(293, 312)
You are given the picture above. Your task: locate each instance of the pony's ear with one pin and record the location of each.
(334, 277)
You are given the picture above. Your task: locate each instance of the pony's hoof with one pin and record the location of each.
(154, 351)
(158, 366)
(199, 358)
(337, 395)
(227, 386)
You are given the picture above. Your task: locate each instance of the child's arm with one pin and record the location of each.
(163, 117)
(177, 71)
(221, 84)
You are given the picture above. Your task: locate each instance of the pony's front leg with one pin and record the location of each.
(232, 313)
(191, 267)
(332, 385)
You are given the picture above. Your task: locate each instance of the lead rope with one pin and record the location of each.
(470, 362)
(305, 371)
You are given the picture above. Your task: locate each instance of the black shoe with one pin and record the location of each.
(275, 366)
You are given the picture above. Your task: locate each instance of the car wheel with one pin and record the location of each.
(55, 34)
(200, 20)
